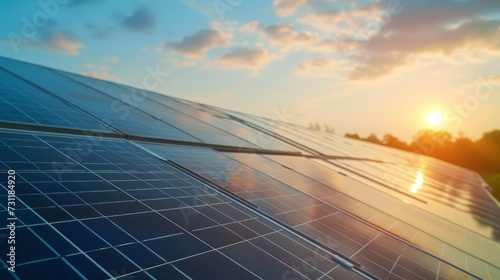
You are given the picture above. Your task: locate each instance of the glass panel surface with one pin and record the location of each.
(299, 207)
(96, 223)
(113, 112)
(24, 103)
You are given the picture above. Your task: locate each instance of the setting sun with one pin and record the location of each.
(434, 118)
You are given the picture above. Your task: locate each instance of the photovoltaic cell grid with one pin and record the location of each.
(196, 122)
(481, 217)
(465, 248)
(114, 112)
(301, 210)
(138, 216)
(80, 196)
(135, 114)
(142, 101)
(403, 161)
(23, 103)
(281, 129)
(469, 198)
(227, 123)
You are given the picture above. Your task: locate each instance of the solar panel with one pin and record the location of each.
(142, 101)
(216, 119)
(114, 112)
(301, 207)
(97, 223)
(167, 188)
(24, 103)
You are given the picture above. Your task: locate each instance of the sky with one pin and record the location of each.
(358, 66)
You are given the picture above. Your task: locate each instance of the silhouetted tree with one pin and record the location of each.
(373, 138)
(463, 153)
(393, 141)
(329, 129)
(431, 143)
(353, 136)
(314, 127)
(488, 150)
(482, 155)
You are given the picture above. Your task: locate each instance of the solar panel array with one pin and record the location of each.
(113, 182)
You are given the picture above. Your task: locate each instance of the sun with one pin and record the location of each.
(434, 118)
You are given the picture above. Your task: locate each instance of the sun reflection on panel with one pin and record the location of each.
(418, 183)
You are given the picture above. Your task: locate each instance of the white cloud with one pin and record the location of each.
(345, 23)
(320, 67)
(285, 35)
(64, 43)
(253, 26)
(249, 58)
(197, 44)
(285, 8)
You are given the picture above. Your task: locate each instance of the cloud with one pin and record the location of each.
(290, 39)
(103, 76)
(285, 35)
(62, 42)
(384, 54)
(197, 44)
(374, 66)
(250, 27)
(50, 38)
(111, 59)
(321, 67)
(142, 19)
(316, 63)
(97, 31)
(381, 40)
(284, 8)
(249, 58)
(345, 22)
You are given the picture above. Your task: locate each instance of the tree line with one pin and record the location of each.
(482, 155)
(318, 127)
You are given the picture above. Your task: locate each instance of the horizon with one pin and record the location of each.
(352, 67)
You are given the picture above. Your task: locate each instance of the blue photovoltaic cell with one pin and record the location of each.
(302, 208)
(428, 231)
(112, 111)
(220, 121)
(142, 101)
(111, 229)
(24, 103)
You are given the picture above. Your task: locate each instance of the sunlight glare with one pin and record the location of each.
(418, 183)
(434, 118)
